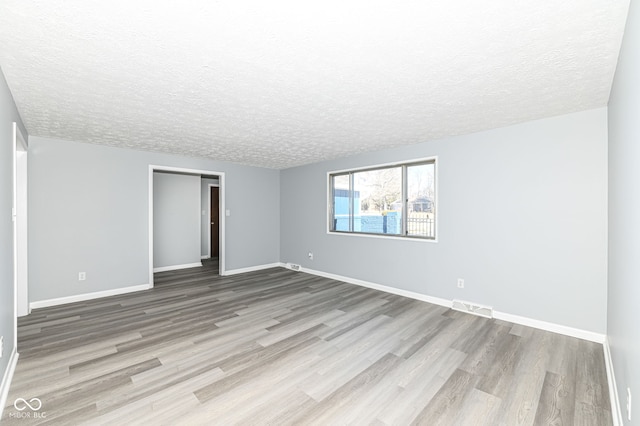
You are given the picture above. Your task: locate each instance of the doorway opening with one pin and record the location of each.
(202, 210)
(214, 221)
(19, 215)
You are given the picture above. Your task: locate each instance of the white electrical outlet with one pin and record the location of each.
(629, 404)
(310, 255)
(82, 276)
(460, 283)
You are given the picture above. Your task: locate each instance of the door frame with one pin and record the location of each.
(195, 172)
(220, 210)
(20, 225)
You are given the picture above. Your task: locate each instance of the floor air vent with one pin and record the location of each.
(473, 308)
(294, 267)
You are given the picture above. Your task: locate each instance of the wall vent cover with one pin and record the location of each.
(472, 308)
(294, 267)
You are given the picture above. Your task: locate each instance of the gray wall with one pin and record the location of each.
(204, 215)
(624, 215)
(88, 211)
(176, 219)
(8, 114)
(522, 218)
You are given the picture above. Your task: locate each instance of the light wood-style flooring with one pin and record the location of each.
(280, 347)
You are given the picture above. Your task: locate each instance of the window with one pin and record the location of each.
(396, 200)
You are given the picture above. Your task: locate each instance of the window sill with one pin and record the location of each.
(384, 237)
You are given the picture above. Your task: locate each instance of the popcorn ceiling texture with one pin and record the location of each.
(284, 83)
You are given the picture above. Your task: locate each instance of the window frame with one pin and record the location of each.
(404, 184)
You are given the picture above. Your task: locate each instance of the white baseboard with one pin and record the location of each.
(552, 327)
(88, 296)
(176, 267)
(555, 328)
(6, 379)
(616, 412)
(386, 289)
(253, 268)
(206, 256)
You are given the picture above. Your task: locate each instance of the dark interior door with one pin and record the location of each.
(215, 221)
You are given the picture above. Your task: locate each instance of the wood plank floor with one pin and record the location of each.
(281, 347)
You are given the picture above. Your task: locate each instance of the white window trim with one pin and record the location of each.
(385, 236)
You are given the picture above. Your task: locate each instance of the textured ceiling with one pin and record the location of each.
(284, 83)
